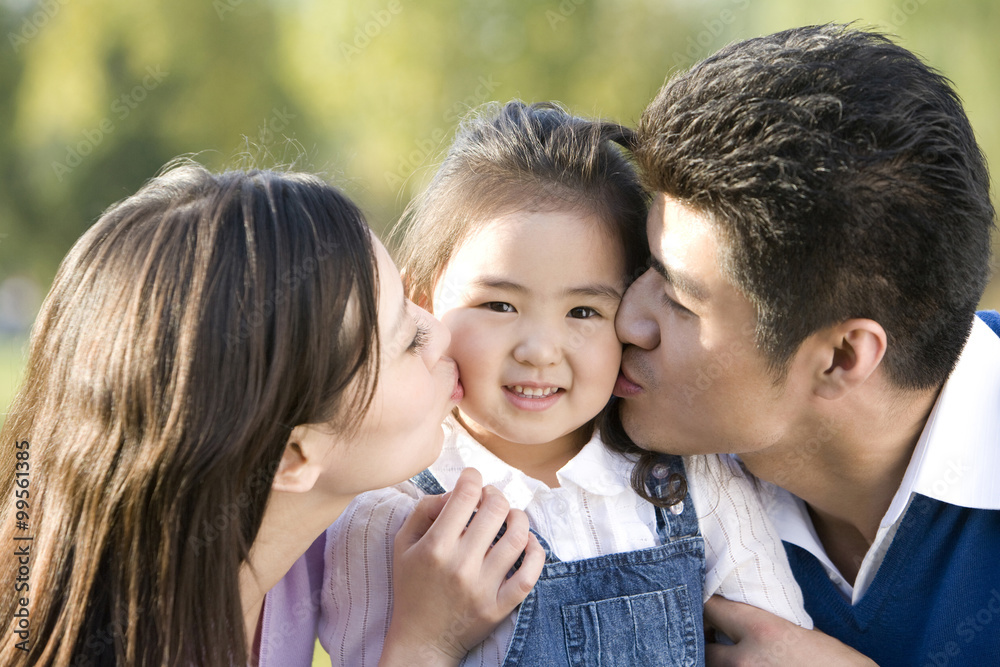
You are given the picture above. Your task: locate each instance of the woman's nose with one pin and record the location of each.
(635, 322)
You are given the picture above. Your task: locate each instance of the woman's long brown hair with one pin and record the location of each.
(185, 334)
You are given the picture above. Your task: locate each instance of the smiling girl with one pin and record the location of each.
(523, 245)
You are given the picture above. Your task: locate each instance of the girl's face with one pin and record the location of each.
(530, 300)
(401, 434)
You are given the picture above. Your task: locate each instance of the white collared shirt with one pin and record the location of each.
(594, 511)
(955, 461)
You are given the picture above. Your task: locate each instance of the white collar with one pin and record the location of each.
(957, 457)
(955, 460)
(595, 468)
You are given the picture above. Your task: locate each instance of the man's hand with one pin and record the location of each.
(761, 638)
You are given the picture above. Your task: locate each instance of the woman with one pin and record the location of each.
(222, 364)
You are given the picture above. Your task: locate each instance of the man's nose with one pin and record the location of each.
(635, 322)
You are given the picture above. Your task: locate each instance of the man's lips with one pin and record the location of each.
(625, 387)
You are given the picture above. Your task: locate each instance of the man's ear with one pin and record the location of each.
(302, 461)
(846, 356)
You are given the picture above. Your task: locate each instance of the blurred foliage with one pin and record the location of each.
(97, 95)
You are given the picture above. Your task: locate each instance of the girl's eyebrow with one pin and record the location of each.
(599, 291)
(498, 283)
(596, 290)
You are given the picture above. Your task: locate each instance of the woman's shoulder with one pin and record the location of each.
(372, 511)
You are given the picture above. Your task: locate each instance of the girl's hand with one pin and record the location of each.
(450, 584)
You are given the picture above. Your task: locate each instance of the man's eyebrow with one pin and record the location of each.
(681, 281)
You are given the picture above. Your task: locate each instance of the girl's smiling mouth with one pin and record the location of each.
(526, 397)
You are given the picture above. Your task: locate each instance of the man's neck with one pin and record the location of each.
(847, 466)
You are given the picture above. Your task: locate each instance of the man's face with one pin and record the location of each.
(692, 378)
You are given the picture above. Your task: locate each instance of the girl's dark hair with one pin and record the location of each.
(519, 157)
(536, 157)
(185, 334)
(615, 438)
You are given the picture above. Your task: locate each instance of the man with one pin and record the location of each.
(820, 233)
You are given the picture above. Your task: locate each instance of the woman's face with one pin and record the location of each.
(417, 386)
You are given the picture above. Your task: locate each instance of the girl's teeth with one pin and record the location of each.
(529, 391)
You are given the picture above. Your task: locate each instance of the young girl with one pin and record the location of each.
(523, 245)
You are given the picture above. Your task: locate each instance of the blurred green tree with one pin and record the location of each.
(96, 95)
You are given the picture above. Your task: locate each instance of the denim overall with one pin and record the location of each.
(640, 608)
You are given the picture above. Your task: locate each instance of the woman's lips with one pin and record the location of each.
(624, 387)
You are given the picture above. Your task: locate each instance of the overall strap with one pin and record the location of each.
(428, 483)
(678, 520)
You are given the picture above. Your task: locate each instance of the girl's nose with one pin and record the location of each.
(539, 346)
(635, 322)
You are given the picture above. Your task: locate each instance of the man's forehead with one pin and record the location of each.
(679, 232)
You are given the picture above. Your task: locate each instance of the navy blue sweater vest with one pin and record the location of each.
(935, 600)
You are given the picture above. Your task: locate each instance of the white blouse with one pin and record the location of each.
(593, 512)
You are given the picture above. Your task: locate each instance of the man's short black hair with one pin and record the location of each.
(846, 182)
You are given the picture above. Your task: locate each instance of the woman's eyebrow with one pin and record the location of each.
(400, 320)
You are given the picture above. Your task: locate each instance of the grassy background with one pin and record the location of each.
(12, 356)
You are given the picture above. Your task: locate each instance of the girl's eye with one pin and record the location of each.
(500, 307)
(583, 313)
(420, 339)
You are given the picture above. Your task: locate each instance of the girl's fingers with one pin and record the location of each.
(513, 591)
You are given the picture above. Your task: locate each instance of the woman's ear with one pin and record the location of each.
(847, 355)
(302, 462)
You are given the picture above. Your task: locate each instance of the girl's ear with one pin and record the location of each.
(424, 302)
(302, 462)
(421, 300)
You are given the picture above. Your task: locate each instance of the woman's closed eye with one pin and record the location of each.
(421, 338)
